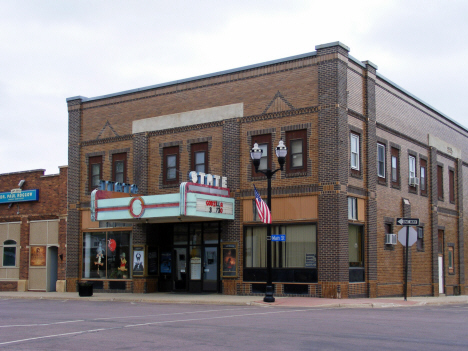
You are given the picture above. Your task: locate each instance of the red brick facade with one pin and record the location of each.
(45, 221)
(328, 94)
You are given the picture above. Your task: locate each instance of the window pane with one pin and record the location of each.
(412, 167)
(94, 255)
(171, 173)
(300, 246)
(180, 234)
(9, 256)
(171, 161)
(297, 160)
(119, 166)
(394, 169)
(423, 178)
(264, 159)
(118, 255)
(200, 161)
(296, 153)
(200, 157)
(296, 146)
(255, 247)
(381, 160)
(355, 246)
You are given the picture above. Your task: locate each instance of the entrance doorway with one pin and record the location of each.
(441, 261)
(195, 253)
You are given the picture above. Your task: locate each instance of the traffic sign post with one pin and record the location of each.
(407, 222)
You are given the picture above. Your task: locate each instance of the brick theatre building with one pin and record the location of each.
(161, 184)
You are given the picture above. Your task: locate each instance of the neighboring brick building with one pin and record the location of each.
(362, 152)
(33, 217)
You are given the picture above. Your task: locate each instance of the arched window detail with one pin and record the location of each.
(9, 253)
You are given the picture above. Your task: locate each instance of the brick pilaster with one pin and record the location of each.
(140, 162)
(231, 230)
(371, 177)
(333, 170)
(73, 221)
(461, 239)
(434, 200)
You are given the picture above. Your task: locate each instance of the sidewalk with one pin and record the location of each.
(218, 299)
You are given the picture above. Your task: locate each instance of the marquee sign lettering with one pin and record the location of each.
(208, 179)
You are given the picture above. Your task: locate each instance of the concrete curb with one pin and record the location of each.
(235, 300)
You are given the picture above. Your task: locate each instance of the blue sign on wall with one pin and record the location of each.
(19, 196)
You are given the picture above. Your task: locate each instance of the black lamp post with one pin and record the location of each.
(256, 155)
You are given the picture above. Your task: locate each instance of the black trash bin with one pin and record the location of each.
(85, 289)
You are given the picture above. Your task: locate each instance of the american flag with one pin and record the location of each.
(262, 208)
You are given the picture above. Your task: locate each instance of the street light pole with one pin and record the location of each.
(256, 155)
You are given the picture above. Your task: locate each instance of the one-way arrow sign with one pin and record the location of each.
(407, 221)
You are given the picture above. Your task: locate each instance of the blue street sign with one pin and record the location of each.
(278, 237)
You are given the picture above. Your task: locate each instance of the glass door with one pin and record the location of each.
(210, 268)
(180, 268)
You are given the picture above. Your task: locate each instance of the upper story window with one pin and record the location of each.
(440, 183)
(423, 176)
(354, 151)
(296, 142)
(352, 208)
(9, 253)
(119, 167)
(264, 143)
(199, 157)
(420, 239)
(451, 186)
(171, 165)
(412, 171)
(395, 153)
(381, 160)
(94, 172)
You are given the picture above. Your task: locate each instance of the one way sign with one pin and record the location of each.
(407, 221)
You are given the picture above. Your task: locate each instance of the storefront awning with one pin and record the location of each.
(194, 202)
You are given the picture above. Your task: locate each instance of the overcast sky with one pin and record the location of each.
(52, 50)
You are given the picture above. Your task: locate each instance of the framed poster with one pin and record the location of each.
(152, 266)
(166, 262)
(139, 263)
(229, 259)
(38, 256)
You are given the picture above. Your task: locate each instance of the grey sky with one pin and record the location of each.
(51, 50)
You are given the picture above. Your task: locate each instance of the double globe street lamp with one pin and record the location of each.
(256, 154)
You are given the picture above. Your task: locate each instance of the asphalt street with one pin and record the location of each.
(106, 325)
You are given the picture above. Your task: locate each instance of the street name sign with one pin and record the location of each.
(278, 237)
(407, 221)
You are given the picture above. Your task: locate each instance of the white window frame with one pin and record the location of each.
(381, 161)
(354, 147)
(411, 167)
(352, 208)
